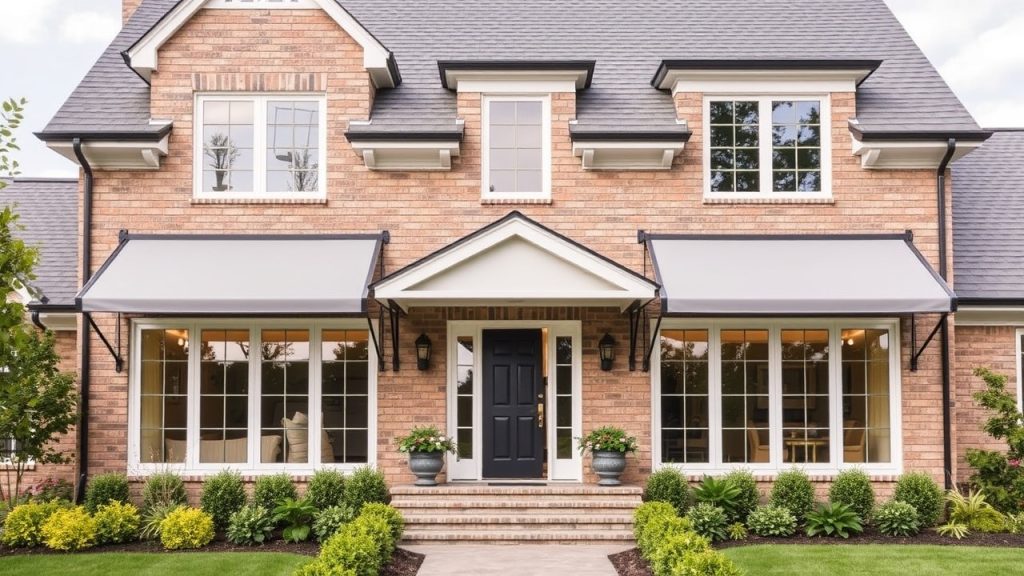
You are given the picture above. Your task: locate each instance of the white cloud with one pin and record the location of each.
(86, 27)
(25, 21)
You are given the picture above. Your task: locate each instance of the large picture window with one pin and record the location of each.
(767, 395)
(271, 395)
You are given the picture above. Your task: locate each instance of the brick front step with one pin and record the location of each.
(506, 514)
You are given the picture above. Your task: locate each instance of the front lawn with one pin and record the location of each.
(877, 560)
(154, 564)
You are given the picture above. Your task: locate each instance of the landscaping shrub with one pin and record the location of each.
(297, 518)
(50, 489)
(326, 489)
(657, 529)
(772, 520)
(186, 528)
(793, 491)
(366, 484)
(117, 523)
(749, 496)
(921, 492)
(390, 515)
(671, 551)
(668, 485)
(223, 495)
(706, 563)
(361, 548)
(720, 492)
(327, 522)
(153, 518)
(649, 510)
(271, 491)
(998, 473)
(164, 488)
(833, 519)
(974, 512)
(69, 529)
(737, 531)
(106, 488)
(853, 488)
(709, 521)
(897, 518)
(251, 525)
(23, 525)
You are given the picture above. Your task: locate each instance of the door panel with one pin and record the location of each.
(513, 440)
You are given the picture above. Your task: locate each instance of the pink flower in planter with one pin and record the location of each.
(1014, 463)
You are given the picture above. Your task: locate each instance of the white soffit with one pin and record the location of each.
(143, 56)
(516, 77)
(762, 76)
(116, 155)
(990, 316)
(405, 155)
(614, 155)
(515, 262)
(907, 155)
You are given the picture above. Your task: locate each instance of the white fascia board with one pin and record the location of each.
(59, 321)
(989, 316)
(143, 56)
(612, 155)
(516, 82)
(761, 81)
(907, 155)
(399, 155)
(116, 155)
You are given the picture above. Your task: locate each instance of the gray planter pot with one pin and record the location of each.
(608, 466)
(426, 466)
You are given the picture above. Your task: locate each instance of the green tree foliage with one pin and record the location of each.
(999, 473)
(11, 115)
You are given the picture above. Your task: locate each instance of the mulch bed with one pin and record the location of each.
(403, 563)
(630, 563)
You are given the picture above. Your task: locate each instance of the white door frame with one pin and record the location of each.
(472, 468)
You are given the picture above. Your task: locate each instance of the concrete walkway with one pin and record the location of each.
(518, 559)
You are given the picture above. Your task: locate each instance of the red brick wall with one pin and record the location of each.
(427, 210)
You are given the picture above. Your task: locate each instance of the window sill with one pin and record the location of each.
(784, 200)
(279, 201)
(770, 476)
(506, 201)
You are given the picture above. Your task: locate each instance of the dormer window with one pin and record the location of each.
(260, 147)
(517, 147)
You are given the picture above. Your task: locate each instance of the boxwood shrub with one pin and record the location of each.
(853, 488)
(365, 485)
(749, 496)
(270, 491)
(106, 488)
(794, 492)
(223, 495)
(326, 489)
(923, 493)
(668, 485)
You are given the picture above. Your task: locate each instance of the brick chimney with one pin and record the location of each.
(128, 8)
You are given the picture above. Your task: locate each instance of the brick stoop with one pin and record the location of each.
(571, 513)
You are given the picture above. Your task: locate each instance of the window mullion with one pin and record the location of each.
(775, 454)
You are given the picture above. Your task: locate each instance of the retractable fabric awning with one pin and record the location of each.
(853, 275)
(236, 275)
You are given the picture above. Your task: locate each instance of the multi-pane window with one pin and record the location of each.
(766, 147)
(164, 389)
(8, 450)
(464, 395)
(284, 402)
(563, 397)
(260, 146)
(516, 146)
(814, 394)
(345, 396)
(684, 396)
(224, 396)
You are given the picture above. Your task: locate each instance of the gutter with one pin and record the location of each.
(84, 363)
(38, 322)
(947, 433)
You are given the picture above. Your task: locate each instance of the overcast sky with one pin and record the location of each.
(48, 45)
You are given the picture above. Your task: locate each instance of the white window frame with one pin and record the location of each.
(765, 146)
(777, 461)
(485, 147)
(259, 176)
(1020, 366)
(192, 466)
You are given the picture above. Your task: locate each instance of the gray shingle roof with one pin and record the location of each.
(627, 40)
(988, 219)
(48, 212)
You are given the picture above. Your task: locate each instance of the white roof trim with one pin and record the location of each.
(116, 155)
(989, 316)
(516, 81)
(404, 155)
(907, 155)
(560, 273)
(143, 55)
(767, 81)
(613, 155)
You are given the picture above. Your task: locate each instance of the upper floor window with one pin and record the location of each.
(260, 146)
(767, 147)
(517, 147)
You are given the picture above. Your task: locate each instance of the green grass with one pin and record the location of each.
(155, 564)
(876, 560)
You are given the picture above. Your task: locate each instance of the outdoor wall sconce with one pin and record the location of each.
(423, 352)
(607, 349)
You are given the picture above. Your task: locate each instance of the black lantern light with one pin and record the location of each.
(423, 352)
(607, 349)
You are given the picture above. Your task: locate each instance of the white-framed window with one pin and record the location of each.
(821, 394)
(9, 453)
(251, 395)
(1020, 366)
(265, 146)
(516, 156)
(762, 147)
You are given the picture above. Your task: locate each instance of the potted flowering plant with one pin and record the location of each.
(609, 446)
(426, 447)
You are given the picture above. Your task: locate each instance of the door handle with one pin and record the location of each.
(540, 411)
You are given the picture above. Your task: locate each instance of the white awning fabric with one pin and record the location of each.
(854, 275)
(236, 275)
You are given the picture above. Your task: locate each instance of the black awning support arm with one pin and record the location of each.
(915, 351)
(394, 314)
(118, 360)
(634, 327)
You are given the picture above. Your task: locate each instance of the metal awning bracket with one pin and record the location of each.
(915, 351)
(118, 360)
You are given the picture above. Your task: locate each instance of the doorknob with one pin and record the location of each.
(540, 411)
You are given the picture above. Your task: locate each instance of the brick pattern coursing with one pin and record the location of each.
(425, 211)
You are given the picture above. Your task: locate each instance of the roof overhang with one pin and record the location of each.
(204, 275)
(540, 76)
(407, 151)
(702, 75)
(990, 312)
(798, 275)
(885, 150)
(143, 56)
(653, 150)
(112, 150)
(515, 262)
